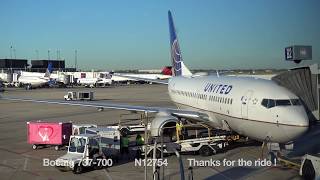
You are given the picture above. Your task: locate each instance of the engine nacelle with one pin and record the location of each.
(160, 121)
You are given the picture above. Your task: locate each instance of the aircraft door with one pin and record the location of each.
(245, 104)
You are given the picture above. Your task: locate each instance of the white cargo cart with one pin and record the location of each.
(110, 140)
(206, 143)
(81, 95)
(81, 128)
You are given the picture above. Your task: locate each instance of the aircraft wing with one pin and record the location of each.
(193, 115)
(158, 81)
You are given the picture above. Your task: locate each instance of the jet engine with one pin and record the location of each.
(163, 121)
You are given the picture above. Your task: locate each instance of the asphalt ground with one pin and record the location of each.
(19, 161)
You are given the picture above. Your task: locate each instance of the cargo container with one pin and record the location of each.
(73, 95)
(109, 139)
(56, 134)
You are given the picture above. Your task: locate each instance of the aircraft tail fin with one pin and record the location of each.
(49, 70)
(179, 69)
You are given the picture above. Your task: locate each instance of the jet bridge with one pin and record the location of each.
(304, 82)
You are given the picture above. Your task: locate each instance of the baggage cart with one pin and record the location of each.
(56, 134)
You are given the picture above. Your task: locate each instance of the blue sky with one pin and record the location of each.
(213, 34)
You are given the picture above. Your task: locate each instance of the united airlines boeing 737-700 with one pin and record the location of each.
(255, 108)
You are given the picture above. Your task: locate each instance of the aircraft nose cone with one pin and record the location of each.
(298, 123)
(300, 118)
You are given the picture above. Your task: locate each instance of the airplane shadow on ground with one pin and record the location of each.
(232, 173)
(308, 143)
(249, 143)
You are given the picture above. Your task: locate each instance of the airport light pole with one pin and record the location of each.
(48, 54)
(37, 54)
(11, 58)
(14, 53)
(10, 52)
(75, 59)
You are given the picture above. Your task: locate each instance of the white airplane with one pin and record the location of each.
(91, 82)
(127, 77)
(255, 108)
(102, 80)
(32, 81)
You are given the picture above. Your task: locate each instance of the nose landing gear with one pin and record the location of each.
(273, 150)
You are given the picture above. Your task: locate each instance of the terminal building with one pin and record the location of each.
(42, 65)
(14, 64)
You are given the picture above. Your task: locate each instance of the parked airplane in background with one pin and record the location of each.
(255, 108)
(34, 81)
(128, 77)
(103, 80)
(165, 74)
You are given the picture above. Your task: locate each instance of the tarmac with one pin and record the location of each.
(19, 161)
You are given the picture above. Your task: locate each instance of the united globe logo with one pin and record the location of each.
(176, 57)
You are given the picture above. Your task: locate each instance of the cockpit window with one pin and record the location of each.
(283, 102)
(264, 102)
(295, 102)
(269, 103)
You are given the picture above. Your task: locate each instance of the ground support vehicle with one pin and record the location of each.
(109, 140)
(85, 152)
(310, 167)
(73, 95)
(48, 133)
(81, 128)
(204, 141)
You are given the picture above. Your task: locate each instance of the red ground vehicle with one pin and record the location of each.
(49, 133)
